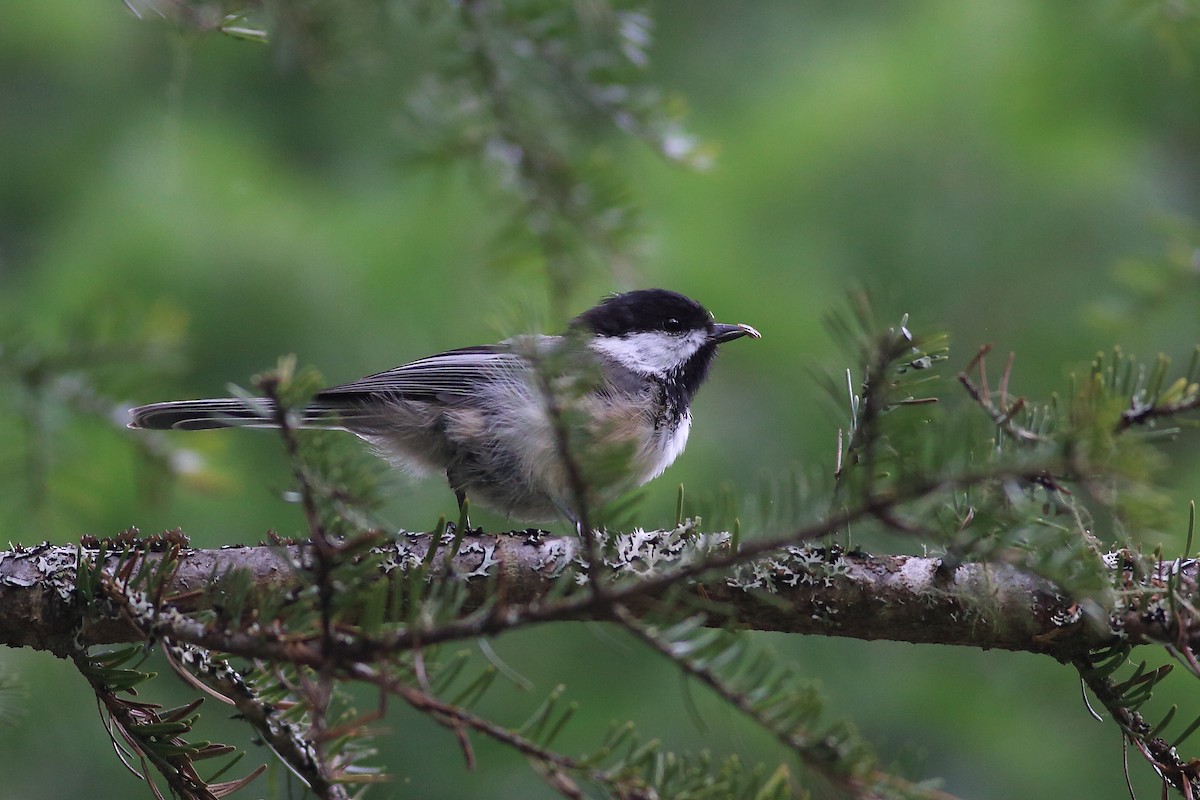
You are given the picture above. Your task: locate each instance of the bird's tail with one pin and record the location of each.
(226, 412)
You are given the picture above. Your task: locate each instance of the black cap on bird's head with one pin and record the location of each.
(642, 311)
(649, 310)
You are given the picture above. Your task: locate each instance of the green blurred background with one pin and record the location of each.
(1019, 173)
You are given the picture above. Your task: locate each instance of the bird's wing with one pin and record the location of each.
(445, 378)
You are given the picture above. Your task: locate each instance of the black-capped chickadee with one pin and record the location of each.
(492, 418)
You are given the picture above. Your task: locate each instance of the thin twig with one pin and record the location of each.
(576, 483)
(795, 740)
(458, 719)
(325, 552)
(1141, 415)
(1002, 415)
(1183, 775)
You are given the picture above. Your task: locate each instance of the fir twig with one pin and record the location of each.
(777, 708)
(1003, 415)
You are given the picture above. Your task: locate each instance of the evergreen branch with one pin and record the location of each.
(1144, 414)
(575, 481)
(326, 551)
(456, 718)
(886, 358)
(132, 587)
(281, 735)
(781, 711)
(1003, 415)
(285, 741)
(623, 765)
(544, 175)
(1183, 775)
(800, 590)
(149, 734)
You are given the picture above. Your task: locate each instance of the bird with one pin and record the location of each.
(536, 427)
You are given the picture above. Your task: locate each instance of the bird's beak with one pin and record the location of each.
(727, 333)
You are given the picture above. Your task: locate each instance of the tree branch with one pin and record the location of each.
(797, 590)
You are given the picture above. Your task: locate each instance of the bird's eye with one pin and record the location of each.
(672, 325)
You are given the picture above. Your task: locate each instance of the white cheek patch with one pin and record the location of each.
(650, 352)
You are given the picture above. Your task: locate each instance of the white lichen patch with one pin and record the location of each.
(485, 564)
(54, 566)
(555, 556)
(793, 567)
(644, 553)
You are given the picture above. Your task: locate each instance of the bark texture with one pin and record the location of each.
(798, 590)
